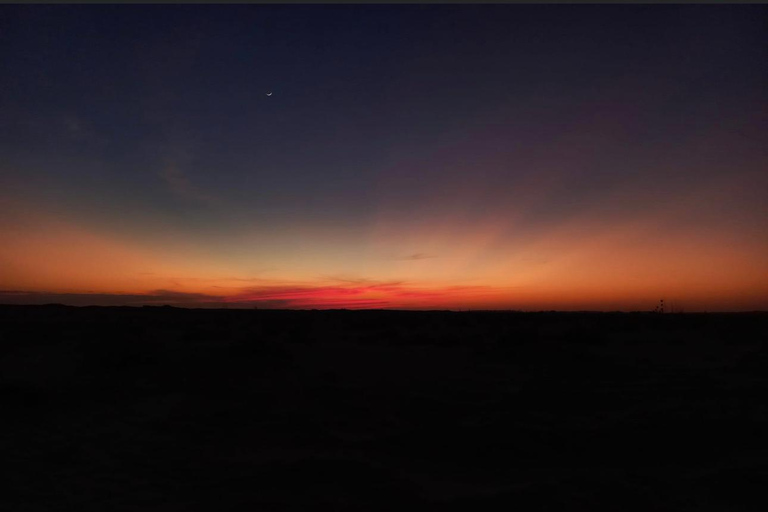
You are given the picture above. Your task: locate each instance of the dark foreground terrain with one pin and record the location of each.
(163, 409)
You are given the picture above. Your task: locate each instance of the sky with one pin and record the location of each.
(526, 157)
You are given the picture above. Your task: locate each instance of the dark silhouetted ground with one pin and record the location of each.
(163, 409)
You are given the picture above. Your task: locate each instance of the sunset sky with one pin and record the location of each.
(575, 157)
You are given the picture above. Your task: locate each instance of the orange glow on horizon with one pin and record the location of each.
(581, 263)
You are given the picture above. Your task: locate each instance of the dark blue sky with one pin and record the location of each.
(143, 119)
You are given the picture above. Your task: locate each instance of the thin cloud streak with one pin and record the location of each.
(157, 297)
(415, 256)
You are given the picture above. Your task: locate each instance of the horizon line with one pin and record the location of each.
(413, 310)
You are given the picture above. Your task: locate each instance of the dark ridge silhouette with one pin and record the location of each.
(173, 409)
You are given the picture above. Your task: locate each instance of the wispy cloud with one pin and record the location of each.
(393, 295)
(415, 256)
(358, 281)
(363, 294)
(179, 184)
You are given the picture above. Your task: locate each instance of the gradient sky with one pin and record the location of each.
(527, 157)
